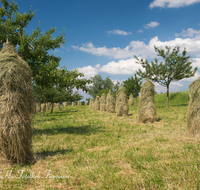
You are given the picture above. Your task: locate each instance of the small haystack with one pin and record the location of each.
(65, 104)
(103, 102)
(79, 103)
(39, 107)
(131, 100)
(85, 103)
(146, 107)
(91, 103)
(73, 103)
(48, 106)
(17, 107)
(97, 104)
(193, 115)
(110, 102)
(122, 102)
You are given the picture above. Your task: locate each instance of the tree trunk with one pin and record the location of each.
(52, 107)
(167, 95)
(135, 101)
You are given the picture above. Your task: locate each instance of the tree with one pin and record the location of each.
(133, 86)
(100, 86)
(34, 49)
(175, 67)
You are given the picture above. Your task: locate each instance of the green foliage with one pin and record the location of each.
(175, 67)
(133, 85)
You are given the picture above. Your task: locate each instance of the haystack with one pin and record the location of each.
(131, 100)
(146, 107)
(79, 103)
(103, 102)
(97, 104)
(193, 115)
(91, 103)
(48, 106)
(65, 104)
(17, 107)
(85, 103)
(39, 107)
(73, 103)
(122, 102)
(110, 102)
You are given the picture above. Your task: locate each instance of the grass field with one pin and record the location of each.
(78, 148)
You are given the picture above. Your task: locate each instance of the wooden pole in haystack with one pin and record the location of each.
(146, 107)
(193, 115)
(122, 102)
(17, 107)
(103, 102)
(110, 102)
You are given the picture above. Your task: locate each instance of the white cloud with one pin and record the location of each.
(188, 33)
(88, 71)
(119, 32)
(97, 66)
(151, 25)
(139, 48)
(122, 67)
(172, 3)
(140, 31)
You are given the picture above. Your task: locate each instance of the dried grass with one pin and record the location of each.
(146, 107)
(193, 115)
(65, 104)
(103, 102)
(131, 100)
(17, 107)
(110, 102)
(97, 104)
(122, 102)
(73, 103)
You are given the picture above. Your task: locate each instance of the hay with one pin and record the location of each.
(97, 104)
(91, 103)
(103, 102)
(17, 107)
(146, 107)
(39, 107)
(122, 102)
(131, 100)
(73, 103)
(79, 103)
(193, 115)
(85, 103)
(65, 104)
(48, 106)
(110, 102)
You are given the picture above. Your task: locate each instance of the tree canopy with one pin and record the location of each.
(174, 68)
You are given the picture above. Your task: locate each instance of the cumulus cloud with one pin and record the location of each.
(139, 48)
(119, 32)
(122, 67)
(172, 3)
(151, 25)
(140, 31)
(88, 71)
(188, 33)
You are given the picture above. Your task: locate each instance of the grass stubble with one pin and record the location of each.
(98, 150)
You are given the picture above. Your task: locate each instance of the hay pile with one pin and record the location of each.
(146, 107)
(131, 100)
(91, 102)
(79, 103)
(110, 102)
(65, 104)
(97, 104)
(48, 106)
(103, 102)
(73, 103)
(39, 107)
(17, 107)
(193, 115)
(122, 102)
(85, 103)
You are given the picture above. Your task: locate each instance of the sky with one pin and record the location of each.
(103, 35)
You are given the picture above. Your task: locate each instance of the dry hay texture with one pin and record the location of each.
(110, 102)
(38, 107)
(79, 103)
(97, 104)
(91, 103)
(193, 115)
(73, 103)
(17, 107)
(85, 103)
(131, 100)
(146, 107)
(65, 104)
(48, 106)
(103, 102)
(122, 102)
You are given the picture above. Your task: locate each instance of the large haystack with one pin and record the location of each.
(65, 104)
(17, 107)
(103, 102)
(92, 104)
(73, 103)
(110, 102)
(131, 100)
(79, 103)
(97, 104)
(122, 102)
(193, 115)
(146, 107)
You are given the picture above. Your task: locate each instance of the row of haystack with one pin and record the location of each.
(79, 103)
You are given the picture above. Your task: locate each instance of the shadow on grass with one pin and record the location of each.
(175, 105)
(59, 129)
(48, 153)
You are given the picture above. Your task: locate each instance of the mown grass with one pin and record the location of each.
(95, 150)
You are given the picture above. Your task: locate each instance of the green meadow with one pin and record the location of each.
(78, 148)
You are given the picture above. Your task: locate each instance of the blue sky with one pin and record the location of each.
(103, 35)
